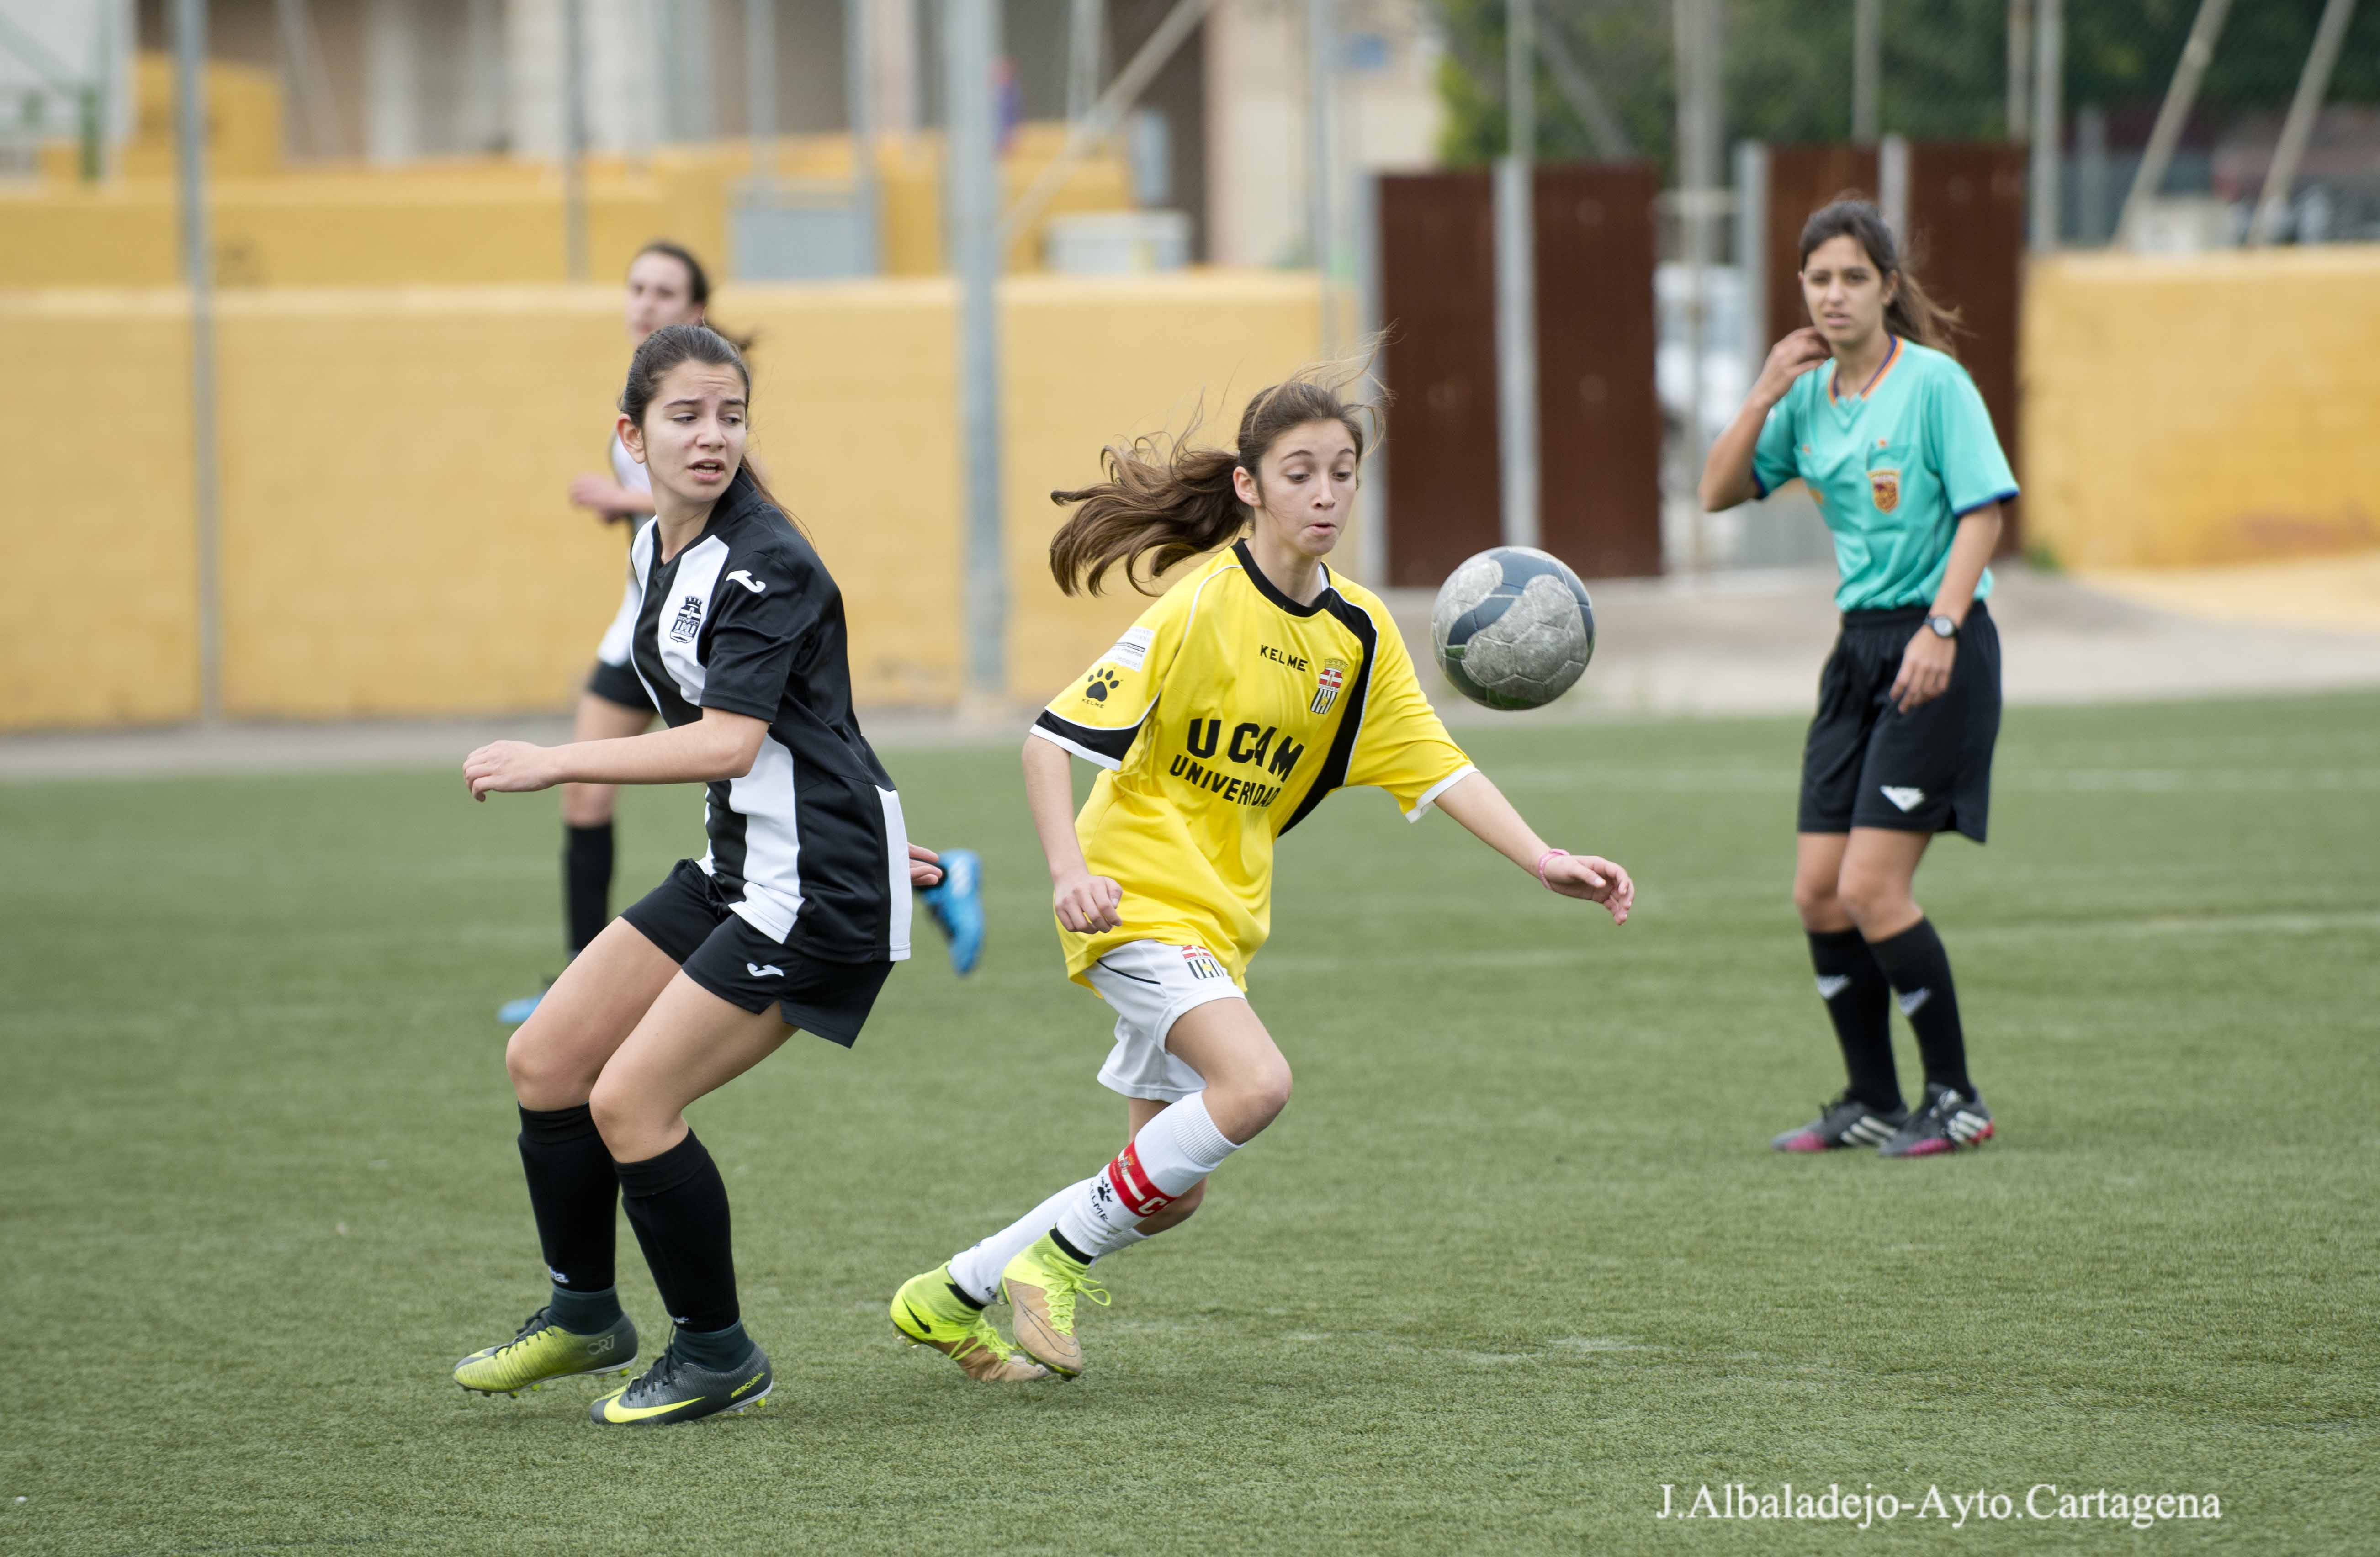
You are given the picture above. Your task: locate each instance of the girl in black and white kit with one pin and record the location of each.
(793, 918)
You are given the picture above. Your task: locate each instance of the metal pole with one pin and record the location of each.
(2019, 68)
(859, 87)
(1321, 157)
(1085, 57)
(761, 85)
(1867, 69)
(574, 136)
(2312, 82)
(1697, 72)
(969, 45)
(1752, 250)
(1516, 300)
(2180, 95)
(1892, 185)
(198, 275)
(2048, 130)
(1372, 534)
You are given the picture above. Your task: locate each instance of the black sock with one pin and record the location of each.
(586, 882)
(585, 1313)
(719, 1350)
(573, 1190)
(1920, 971)
(678, 1203)
(1856, 996)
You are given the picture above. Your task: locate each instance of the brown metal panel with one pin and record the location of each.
(1966, 239)
(1599, 468)
(1437, 302)
(1801, 179)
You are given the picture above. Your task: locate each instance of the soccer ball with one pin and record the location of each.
(1512, 627)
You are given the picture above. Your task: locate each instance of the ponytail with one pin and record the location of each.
(1170, 502)
(1912, 315)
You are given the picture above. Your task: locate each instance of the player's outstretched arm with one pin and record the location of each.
(1085, 904)
(719, 746)
(1480, 807)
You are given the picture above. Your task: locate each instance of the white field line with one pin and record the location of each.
(2151, 927)
(2067, 780)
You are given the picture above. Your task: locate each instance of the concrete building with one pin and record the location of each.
(1221, 133)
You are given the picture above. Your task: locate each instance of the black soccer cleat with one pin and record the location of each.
(1848, 1121)
(677, 1390)
(1949, 1120)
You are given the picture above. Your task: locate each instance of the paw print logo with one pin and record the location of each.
(1103, 681)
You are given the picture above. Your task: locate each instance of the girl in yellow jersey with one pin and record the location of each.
(1259, 683)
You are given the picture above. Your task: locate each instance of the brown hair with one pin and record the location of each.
(1911, 314)
(665, 349)
(1168, 501)
(698, 284)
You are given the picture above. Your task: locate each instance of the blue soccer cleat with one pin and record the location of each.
(957, 906)
(512, 1013)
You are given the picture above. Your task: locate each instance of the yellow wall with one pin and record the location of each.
(2214, 409)
(488, 220)
(396, 541)
(98, 605)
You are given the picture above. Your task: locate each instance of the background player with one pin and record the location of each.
(666, 285)
(1867, 405)
(1258, 683)
(793, 918)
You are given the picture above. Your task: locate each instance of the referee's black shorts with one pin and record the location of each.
(1867, 764)
(690, 919)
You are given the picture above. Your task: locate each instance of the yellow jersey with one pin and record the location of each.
(1223, 718)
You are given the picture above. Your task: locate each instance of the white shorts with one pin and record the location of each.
(1151, 984)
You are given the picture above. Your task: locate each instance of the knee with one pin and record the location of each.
(586, 805)
(541, 1077)
(1815, 900)
(1869, 895)
(627, 1130)
(1256, 1099)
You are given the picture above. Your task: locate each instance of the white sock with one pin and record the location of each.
(1165, 1162)
(978, 1269)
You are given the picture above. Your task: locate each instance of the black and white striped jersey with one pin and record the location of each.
(810, 845)
(614, 648)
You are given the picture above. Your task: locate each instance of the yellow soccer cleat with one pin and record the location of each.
(927, 1311)
(1041, 1284)
(543, 1350)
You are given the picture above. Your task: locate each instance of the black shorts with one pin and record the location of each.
(1867, 764)
(690, 917)
(619, 684)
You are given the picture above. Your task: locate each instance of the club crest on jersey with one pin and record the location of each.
(1327, 683)
(1202, 963)
(1885, 485)
(689, 620)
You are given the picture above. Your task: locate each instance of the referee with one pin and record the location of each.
(1867, 406)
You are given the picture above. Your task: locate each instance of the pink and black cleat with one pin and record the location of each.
(1949, 1121)
(1848, 1121)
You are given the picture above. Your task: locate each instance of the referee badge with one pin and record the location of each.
(1886, 484)
(1326, 682)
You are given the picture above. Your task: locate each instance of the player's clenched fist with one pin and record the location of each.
(508, 768)
(1087, 904)
(1594, 877)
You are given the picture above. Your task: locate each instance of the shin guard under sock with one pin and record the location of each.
(586, 882)
(678, 1203)
(572, 1191)
(1857, 994)
(1171, 1155)
(1920, 971)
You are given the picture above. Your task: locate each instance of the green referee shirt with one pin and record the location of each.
(1893, 466)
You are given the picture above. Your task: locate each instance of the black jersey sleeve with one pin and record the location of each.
(768, 602)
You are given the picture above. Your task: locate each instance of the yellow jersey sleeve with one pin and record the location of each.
(1402, 746)
(1099, 716)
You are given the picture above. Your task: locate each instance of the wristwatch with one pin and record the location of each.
(1943, 626)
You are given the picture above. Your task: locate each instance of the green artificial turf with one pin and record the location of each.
(1516, 1256)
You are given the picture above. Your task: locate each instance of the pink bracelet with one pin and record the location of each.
(1549, 854)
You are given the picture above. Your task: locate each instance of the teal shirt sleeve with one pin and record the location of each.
(1966, 451)
(1774, 461)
